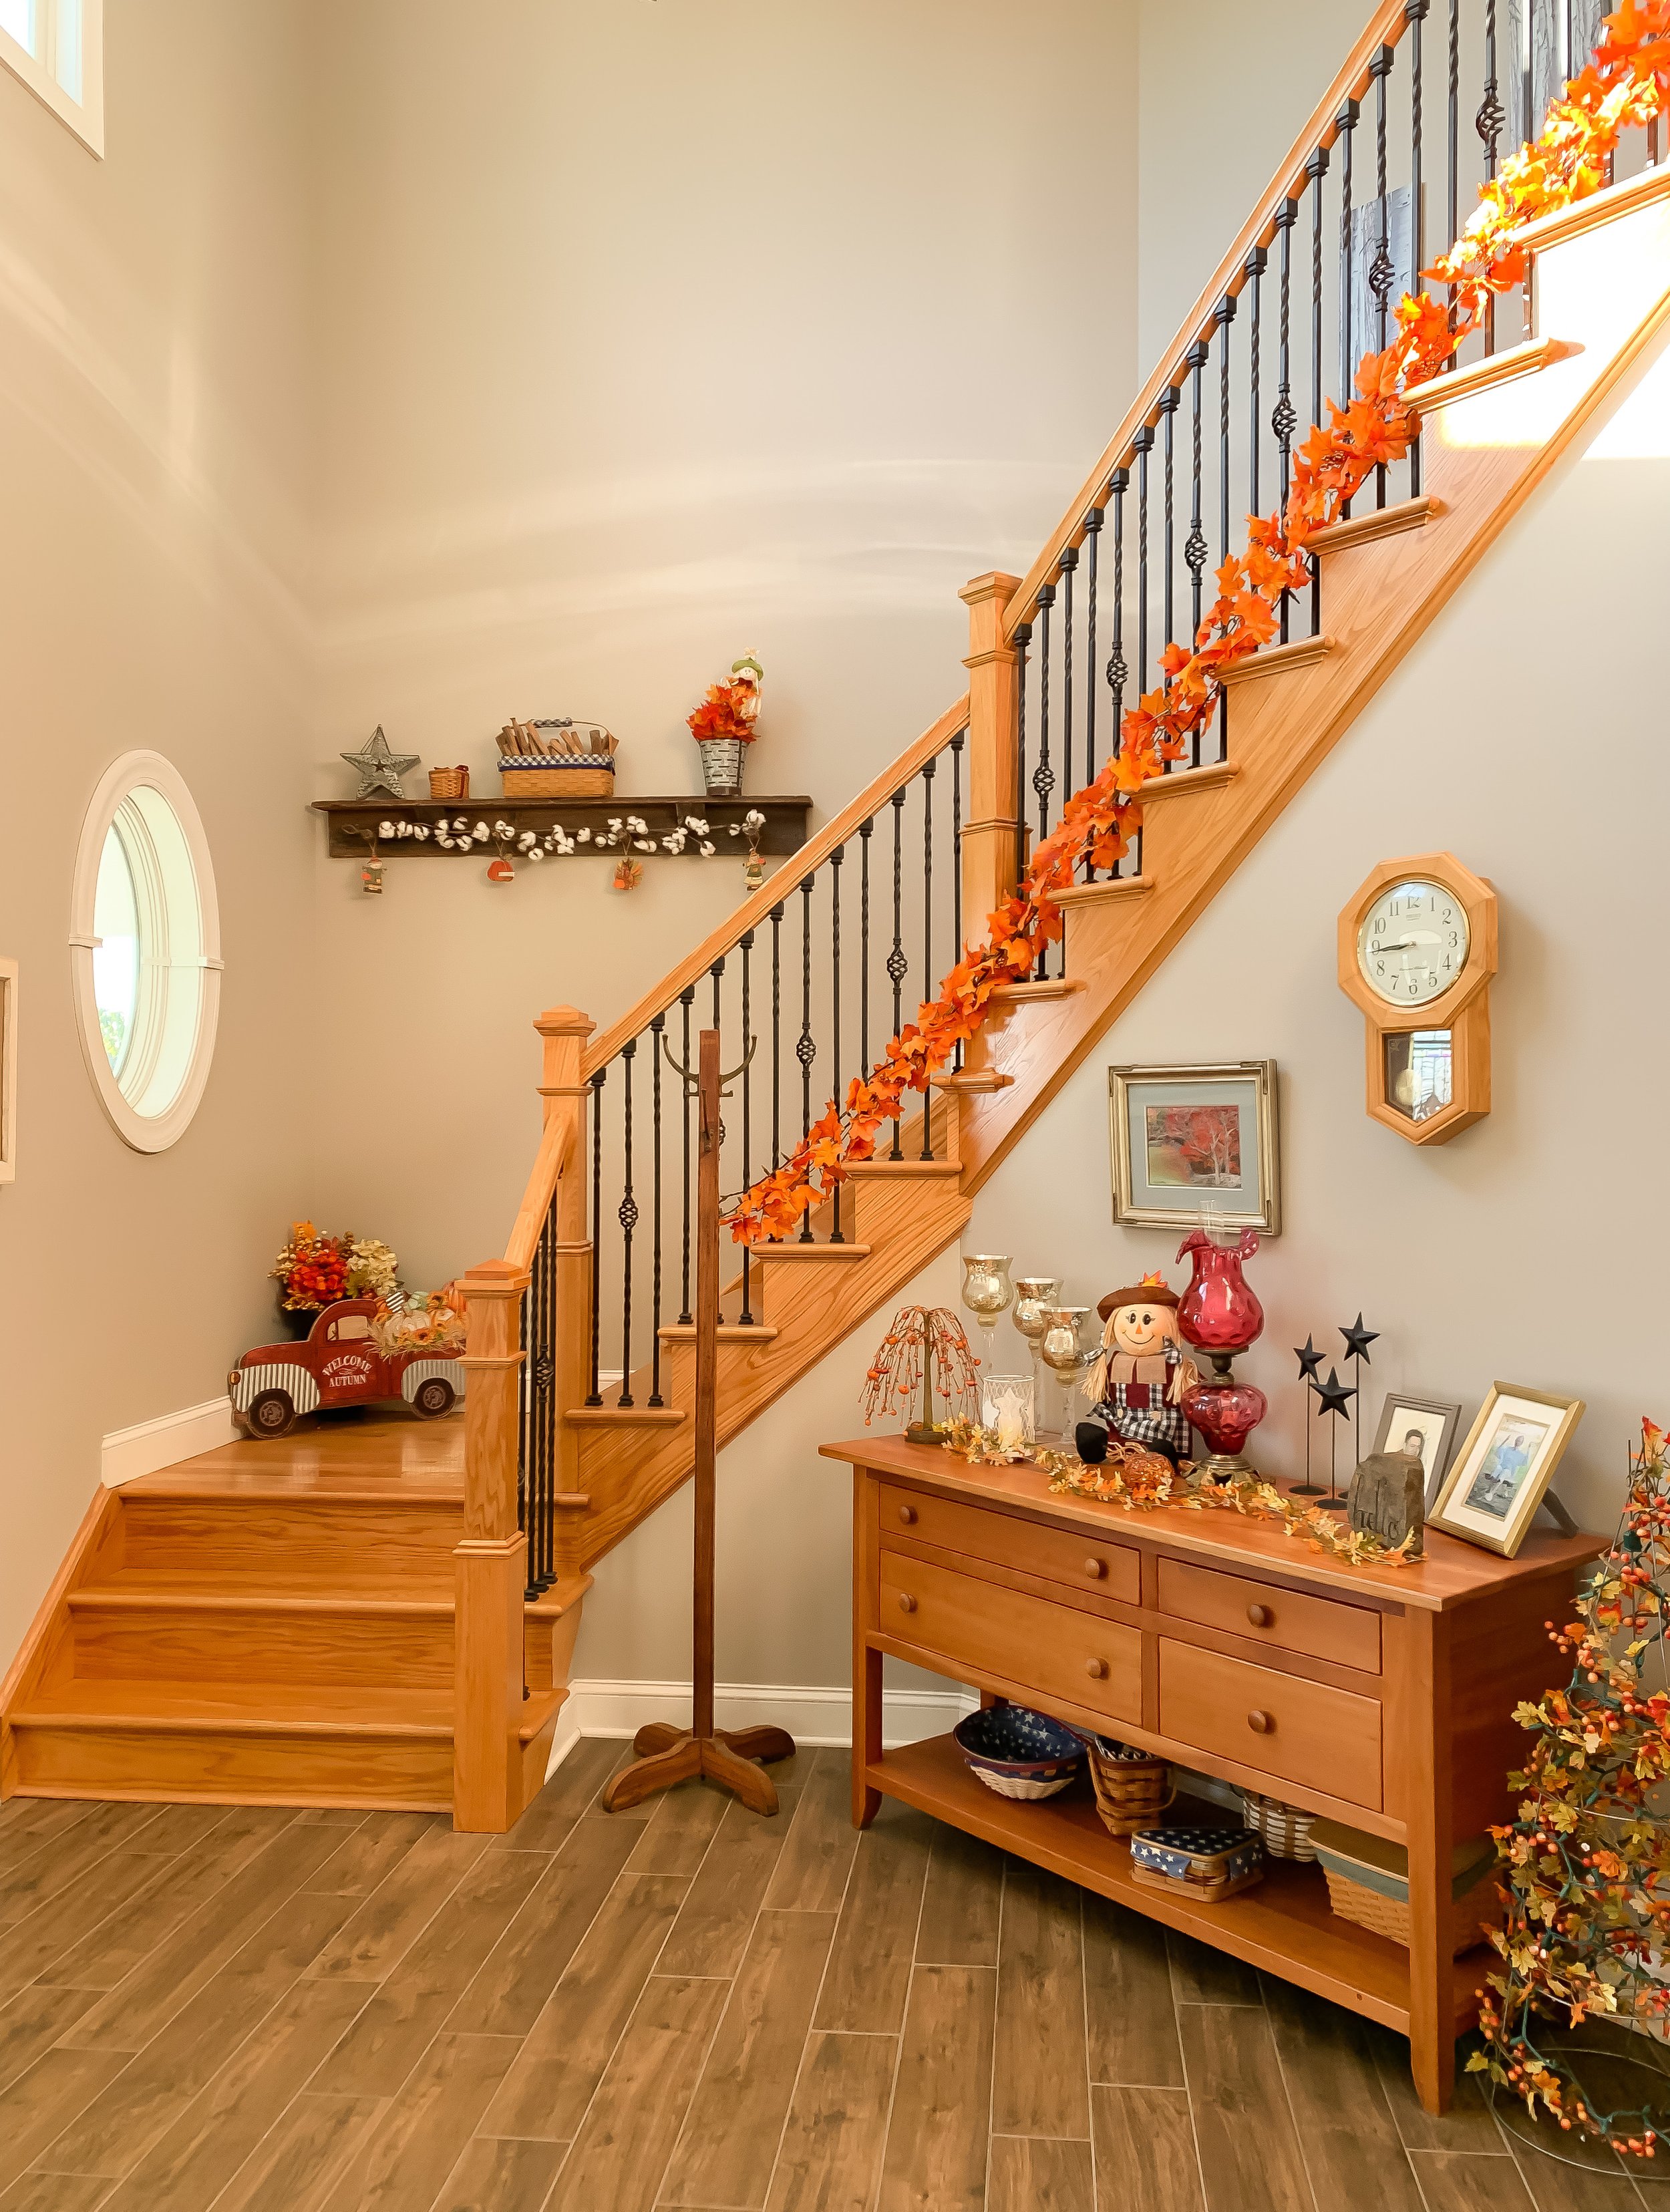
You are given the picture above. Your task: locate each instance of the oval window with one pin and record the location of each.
(146, 947)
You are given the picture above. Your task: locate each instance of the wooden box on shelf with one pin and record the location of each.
(1379, 1697)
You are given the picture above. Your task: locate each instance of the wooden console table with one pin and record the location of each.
(1383, 1697)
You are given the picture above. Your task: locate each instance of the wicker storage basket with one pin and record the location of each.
(1205, 1863)
(1368, 1880)
(449, 783)
(547, 777)
(1285, 1828)
(1132, 1788)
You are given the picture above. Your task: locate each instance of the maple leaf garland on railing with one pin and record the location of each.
(1625, 85)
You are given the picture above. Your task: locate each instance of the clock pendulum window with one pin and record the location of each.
(1417, 952)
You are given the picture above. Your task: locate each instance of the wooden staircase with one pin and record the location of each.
(342, 1616)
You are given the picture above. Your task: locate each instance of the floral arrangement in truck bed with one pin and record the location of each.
(316, 1267)
(1625, 85)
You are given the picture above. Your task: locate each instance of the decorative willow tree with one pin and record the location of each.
(1587, 1859)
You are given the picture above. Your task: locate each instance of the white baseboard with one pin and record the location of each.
(812, 1716)
(149, 1445)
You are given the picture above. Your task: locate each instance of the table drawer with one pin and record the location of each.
(1054, 1649)
(1289, 1730)
(1323, 1628)
(1060, 1554)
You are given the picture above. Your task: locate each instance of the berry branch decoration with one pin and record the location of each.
(1623, 85)
(1587, 1859)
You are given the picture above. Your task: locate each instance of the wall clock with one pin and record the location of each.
(1417, 953)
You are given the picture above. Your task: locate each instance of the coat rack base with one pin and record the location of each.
(667, 1756)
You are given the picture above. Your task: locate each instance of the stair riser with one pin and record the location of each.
(242, 1537)
(413, 1774)
(189, 1644)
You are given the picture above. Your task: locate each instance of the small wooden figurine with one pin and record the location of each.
(1388, 1494)
(1136, 1382)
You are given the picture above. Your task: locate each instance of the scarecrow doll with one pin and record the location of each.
(1137, 1380)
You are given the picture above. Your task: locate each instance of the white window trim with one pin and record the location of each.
(146, 1132)
(85, 116)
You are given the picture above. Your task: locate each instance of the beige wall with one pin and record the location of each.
(658, 333)
(154, 439)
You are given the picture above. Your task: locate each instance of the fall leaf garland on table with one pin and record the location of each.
(1625, 85)
(1587, 1859)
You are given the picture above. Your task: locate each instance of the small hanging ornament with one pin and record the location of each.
(371, 876)
(500, 871)
(627, 875)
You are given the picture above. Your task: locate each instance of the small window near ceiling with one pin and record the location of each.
(146, 947)
(57, 48)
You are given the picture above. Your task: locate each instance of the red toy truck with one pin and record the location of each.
(337, 1363)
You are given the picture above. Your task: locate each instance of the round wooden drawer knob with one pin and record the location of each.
(1096, 1568)
(1259, 1615)
(907, 1514)
(1261, 1723)
(1095, 1668)
(906, 1603)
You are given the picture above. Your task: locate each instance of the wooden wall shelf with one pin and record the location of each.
(350, 820)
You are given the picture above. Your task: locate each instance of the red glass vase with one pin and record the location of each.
(1219, 1314)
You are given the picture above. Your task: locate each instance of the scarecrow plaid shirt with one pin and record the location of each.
(1138, 1413)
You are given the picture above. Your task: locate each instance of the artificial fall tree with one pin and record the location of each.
(1587, 1859)
(924, 1350)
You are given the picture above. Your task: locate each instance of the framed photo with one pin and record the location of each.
(1187, 1138)
(8, 1071)
(1491, 1493)
(1428, 1422)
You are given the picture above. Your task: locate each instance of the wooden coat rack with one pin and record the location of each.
(667, 1755)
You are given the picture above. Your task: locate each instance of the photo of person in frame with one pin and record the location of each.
(1508, 1457)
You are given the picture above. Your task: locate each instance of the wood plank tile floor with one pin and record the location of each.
(224, 2009)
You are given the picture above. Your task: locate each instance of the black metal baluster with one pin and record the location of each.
(524, 1430)
(1347, 122)
(806, 1051)
(594, 1395)
(866, 829)
(1169, 399)
(1023, 639)
(1381, 269)
(1283, 418)
(1043, 775)
(1488, 123)
(1415, 12)
(1315, 169)
(777, 1038)
(1453, 139)
(546, 1383)
(957, 743)
(928, 768)
(627, 1214)
(716, 971)
(1194, 545)
(1093, 522)
(1224, 314)
(836, 859)
(897, 966)
(1256, 262)
(657, 1028)
(1118, 669)
(745, 1312)
(1142, 445)
(1069, 564)
(686, 1001)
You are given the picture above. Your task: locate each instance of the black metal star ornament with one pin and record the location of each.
(379, 768)
(1309, 1360)
(1336, 1397)
(1358, 1339)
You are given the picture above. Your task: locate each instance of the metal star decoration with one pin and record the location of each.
(1309, 1360)
(379, 768)
(1358, 1339)
(1335, 1395)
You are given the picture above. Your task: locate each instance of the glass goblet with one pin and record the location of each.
(986, 1291)
(1062, 1351)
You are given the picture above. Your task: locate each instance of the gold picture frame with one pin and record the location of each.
(1163, 1180)
(1497, 1481)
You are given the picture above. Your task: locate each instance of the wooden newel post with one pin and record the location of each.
(992, 837)
(491, 1563)
(566, 1093)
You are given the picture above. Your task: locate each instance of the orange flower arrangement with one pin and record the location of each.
(724, 713)
(1626, 84)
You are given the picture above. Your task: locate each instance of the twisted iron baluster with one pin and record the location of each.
(836, 859)
(957, 743)
(657, 1028)
(1488, 123)
(1023, 639)
(745, 1312)
(1315, 169)
(686, 1001)
(1383, 271)
(806, 1051)
(776, 1040)
(1414, 15)
(1118, 671)
(1043, 777)
(897, 966)
(1255, 265)
(1093, 522)
(1346, 121)
(866, 829)
(1169, 400)
(1069, 564)
(1194, 546)
(1142, 445)
(1224, 314)
(594, 1395)
(928, 768)
(627, 1214)
(1284, 417)
(1454, 225)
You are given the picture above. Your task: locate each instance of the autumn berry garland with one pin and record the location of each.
(1624, 86)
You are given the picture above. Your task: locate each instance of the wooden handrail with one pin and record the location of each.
(757, 908)
(1386, 27)
(550, 1161)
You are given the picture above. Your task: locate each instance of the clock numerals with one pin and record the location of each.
(1411, 944)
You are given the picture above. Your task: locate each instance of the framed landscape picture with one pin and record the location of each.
(1491, 1493)
(1185, 1138)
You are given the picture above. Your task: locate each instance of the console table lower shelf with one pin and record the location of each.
(1282, 1926)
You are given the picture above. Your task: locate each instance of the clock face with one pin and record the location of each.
(1412, 944)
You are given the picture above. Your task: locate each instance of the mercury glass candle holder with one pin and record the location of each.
(986, 1291)
(1062, 1351)
(1034, 1297)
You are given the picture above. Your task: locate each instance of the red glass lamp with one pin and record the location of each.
(1219, 1314)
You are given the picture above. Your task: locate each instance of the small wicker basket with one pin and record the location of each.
(1132, 1788)
(1380, 1899)
(1389, 1916)
(1285, 1828)
(449, 783)
(548, 777)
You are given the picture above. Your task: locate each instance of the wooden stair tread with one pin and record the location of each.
(1100, 892)
(309, 1709)
(754, 1332)
(626, 1417)
(1378, 522)
(361, 1489)
(210, 1594)
(803, 1252)
(904, 1170)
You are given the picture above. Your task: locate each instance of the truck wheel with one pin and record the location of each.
(271, 1414)
(434, 1397)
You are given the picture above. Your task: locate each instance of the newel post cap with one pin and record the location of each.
(563, 1021)
(995, 584)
